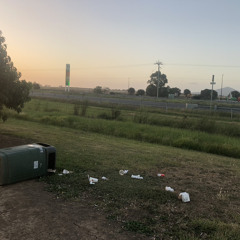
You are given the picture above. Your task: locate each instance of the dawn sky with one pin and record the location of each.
(115, 44)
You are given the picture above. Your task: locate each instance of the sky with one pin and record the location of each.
(116, 43)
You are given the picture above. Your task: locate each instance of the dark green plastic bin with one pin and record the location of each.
(26, 162)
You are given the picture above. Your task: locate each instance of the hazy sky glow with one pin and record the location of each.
(113, 43)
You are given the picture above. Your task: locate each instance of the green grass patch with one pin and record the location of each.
(142, 206)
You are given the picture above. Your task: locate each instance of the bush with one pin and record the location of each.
(141, 116)
(76, 109)
(84, 107)
(115, 113)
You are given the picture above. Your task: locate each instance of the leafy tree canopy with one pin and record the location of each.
(206, 94)
(13, 92)
(140, 92)
(131, 91)
(186, 92)
(98, 90)
(151, 90)
(36, 86)
(176, 91)
(154, 79)
(235, 94)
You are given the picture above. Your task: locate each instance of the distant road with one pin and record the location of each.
(131, 101)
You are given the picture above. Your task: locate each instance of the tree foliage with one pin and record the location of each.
(13, 92)
(36, 86)
(206, 94)
(176, 91)
(131, 91)
(140, 92)
(98, 90)
(154, 79)
(151, 90)
(235, 94)
(186, 92)
(157, 79)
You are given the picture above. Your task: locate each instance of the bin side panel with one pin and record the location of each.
(25, 165)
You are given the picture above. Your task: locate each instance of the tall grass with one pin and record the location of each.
(181, 138)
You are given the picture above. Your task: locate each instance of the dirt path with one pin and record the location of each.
(27, 211)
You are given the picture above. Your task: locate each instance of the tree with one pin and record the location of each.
(131, 91)
(13, 92)
(36, 86)
(98, 90)
(154, 79)
(235, 94)
(140, 92)
(206, 94)
(158, 79)
(176, 91)
(186, 92)
(151, 90)
(164, 91)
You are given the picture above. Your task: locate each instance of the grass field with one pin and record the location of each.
(89, 145)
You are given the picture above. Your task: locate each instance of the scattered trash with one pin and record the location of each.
(66, 171)
(169, 189)
(161, 175)
(184, 196)
(60, 174)
(104, 178)
(123, 172)
(136, 176)
(51, 170)
(92, 180)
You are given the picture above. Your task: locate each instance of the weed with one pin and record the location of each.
(141, 116)
(136, 226)
(204, 228)
(76, 109)
(84, 107)
(115, 113)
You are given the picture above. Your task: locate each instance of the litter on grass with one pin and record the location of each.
(104, 178)
(136, 177)
(169, 189)
(184, 196)
(65, 171)
(123, 172)
(161, 175)
(92, 180)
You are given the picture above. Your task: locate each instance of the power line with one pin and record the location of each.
(201, 65)
(134, 65)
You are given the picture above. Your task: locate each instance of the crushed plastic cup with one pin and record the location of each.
(136, 177)
(104, 178)
(65, 171)
(169, 189)
(184, 196)
(92, 180)
(123, 172)
(161, 175)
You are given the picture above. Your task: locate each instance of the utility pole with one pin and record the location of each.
(158, 63)
(221, 86)
(212, 83)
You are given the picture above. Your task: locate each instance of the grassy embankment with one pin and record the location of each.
(99, 147)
